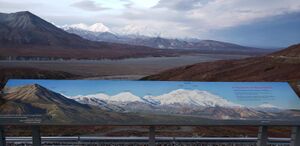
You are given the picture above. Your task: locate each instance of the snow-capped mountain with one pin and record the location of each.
(180, 101)
(179, 97)
(125, 97)
(100, 96)
(194, 97)
(149, 99)
(100, 32)
(96, 101)
(95, 32)
(75, 26)
(90, 101)
(97, 27)
(268, 107)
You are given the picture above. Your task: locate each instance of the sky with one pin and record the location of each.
(261, 23)
(281, 93)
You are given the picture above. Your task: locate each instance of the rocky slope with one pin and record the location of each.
(35, 99)
(279, 66)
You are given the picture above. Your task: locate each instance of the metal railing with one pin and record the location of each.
(143, 141)
(262, 139)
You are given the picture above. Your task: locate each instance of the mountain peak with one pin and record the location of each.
(126, 97)
(23, 13)
(97, 27)
(267, 105)
(24, 28)
(23, 20)
(34, 86)
(31, 87)
(35, 93)
(194, 97)
(28, 92)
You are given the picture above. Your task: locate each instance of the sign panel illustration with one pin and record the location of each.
(118, 102)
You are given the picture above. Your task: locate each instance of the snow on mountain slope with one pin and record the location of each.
(125, 97)
(179, 97)
(193, 97)
(149, 99)
(90, 100)
(98, 100)
(95, 99)
(267, 105)
(97, 27)
(77, 26)
(101, 96)
(100, 32)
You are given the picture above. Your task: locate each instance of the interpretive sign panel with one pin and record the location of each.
(115, 102)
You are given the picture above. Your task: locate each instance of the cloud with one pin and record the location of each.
(127, 3)
(155, 28)
(181, 5)
(228, 13)
(198, 18)
(89, 5)
(15, 6)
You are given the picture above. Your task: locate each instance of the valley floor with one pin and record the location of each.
(133, 68)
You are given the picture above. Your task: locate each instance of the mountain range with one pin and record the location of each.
(55, 108)
(179, 106)
(99, 32)
(97, 27)
(179, 96)
(24, 35)
(182, 102)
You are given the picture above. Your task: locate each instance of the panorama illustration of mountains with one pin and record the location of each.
(174, 103)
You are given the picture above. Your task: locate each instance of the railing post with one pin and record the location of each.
(152, 136)
(262, 138)
(2, 136)
(295, 137)
(36, 136)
